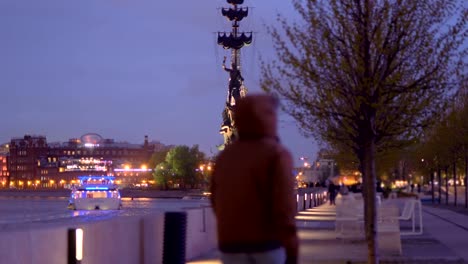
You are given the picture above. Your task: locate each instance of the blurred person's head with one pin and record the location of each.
(256, 116)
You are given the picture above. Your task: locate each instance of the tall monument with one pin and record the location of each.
(234, 41)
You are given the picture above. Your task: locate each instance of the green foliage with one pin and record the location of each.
(179, 165)
(367, 76)
(162, 175)
(158, 157)
(446, 143)
(350, 67)
(184, 161)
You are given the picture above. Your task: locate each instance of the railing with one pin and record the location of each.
(310, 197)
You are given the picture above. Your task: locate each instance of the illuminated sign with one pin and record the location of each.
(132, 170)
(94, 188)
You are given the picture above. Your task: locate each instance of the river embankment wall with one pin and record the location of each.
(123, 240)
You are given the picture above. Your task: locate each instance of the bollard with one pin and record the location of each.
(301, 203)
(305, 201)
(297, 203)
(75, 246)
(175, 227)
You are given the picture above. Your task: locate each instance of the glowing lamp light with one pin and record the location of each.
(79, 244)
(75, 245)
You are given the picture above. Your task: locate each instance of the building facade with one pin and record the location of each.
(23, 163)
(34, 163)
(4, 173)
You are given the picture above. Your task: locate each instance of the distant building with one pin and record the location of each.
(313, 173)
(23, 163)
(4, 174)
(35, 163)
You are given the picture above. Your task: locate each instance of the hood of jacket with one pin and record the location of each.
(255, 117)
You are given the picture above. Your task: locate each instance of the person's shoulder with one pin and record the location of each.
(273, 145)
(279, 150)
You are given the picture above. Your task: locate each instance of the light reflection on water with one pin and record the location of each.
(31, 212)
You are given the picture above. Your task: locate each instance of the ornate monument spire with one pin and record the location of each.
(234, 40)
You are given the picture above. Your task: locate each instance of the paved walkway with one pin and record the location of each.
(445, 240)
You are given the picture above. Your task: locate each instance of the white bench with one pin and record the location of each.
(388, 230)
(349, 221)
(409, 213)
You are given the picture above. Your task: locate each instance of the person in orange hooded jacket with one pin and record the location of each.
(252, 189)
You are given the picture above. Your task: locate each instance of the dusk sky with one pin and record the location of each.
(127, 68)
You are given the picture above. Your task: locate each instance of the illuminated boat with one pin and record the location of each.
(95, 193)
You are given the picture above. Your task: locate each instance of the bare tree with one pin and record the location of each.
(366, 75)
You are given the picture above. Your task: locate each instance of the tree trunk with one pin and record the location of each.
(439, 175)
(370, 219)
(466, 181)
(455, 182)
(432, 186)
(446, 186)
(369, 112)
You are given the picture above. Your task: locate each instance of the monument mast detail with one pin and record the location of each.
(234, 40)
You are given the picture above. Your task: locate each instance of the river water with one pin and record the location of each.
(34, 212)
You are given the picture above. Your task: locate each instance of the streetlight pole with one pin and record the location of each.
(446, 186)
(432, 187)
(439, 174)
(431, 176)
